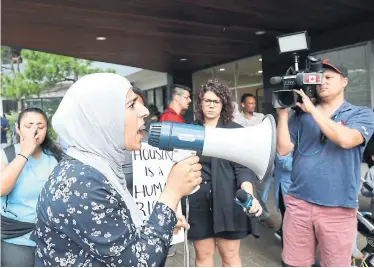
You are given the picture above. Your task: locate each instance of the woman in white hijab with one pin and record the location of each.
(85, 217)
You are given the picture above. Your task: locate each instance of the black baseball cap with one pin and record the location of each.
(339, 68)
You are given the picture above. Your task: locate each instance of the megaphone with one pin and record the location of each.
(253, 147)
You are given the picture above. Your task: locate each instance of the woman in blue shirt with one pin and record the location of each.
(22, 179)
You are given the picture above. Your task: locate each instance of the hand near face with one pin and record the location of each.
(29, 140)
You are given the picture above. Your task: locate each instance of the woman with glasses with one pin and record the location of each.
(25, 167)
(214, 217)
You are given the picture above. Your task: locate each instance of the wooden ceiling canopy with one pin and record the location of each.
(155, 35)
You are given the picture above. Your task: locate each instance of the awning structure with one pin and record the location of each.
(173, 35)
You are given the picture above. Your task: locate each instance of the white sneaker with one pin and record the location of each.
(172, 251)
(278, 235)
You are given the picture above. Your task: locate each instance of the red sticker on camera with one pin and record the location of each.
(341, 122)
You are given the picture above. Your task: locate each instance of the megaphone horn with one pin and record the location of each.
(253, 147)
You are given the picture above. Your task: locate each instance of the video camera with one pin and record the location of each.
(306, 79)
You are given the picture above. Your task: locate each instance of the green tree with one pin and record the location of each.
(42, 71)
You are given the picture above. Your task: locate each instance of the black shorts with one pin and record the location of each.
(201, 217)
(16, 255)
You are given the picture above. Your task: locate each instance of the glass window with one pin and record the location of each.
(371, 63)
(249, 80)
(249, 71)
(201, 77)
(243, 76)
(50, 106)
(356, 59)
(159, 98)
(150, 96)
(166, 97)
(37, 103)
(225, 73)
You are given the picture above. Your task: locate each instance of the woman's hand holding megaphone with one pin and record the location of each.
(183, 179)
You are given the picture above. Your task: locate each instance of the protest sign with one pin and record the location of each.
(151, 167)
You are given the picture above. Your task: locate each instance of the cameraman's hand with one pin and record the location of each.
(182, 180)
(307, 105)
(282, 112)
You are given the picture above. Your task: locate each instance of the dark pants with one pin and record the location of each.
(17, 256)
(163, 263)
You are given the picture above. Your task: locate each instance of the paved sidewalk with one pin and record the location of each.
(262, 252)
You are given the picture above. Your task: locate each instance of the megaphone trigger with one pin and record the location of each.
(180, 155)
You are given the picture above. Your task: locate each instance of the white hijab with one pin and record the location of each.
(91, 121)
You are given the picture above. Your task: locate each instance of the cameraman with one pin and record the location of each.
(327, 142)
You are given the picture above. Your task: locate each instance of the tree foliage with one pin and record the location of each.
(41, 71)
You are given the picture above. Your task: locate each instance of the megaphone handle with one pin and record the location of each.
(180, 155)
(186, 254)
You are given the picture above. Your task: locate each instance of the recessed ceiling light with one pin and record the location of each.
(260, 32)
(222, 69)
(101, 38)
(183, 59)
(259, 59)
(260, 71)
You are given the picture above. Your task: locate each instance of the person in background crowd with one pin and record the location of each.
(326, 141)
(247, 118)
(4, 129)
(14, 136)
(181, 99)
(369, 176)
(215, 220)
(282, 181)
(22, 178)
(94, 218)
(154, 113)
(368, 158)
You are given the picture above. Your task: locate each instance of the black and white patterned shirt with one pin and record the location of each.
(82, 221)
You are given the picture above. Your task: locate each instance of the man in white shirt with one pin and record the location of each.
(248, 118)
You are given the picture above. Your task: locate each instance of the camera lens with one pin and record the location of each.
(286, 99)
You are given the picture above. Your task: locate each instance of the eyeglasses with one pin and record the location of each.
(209, 102)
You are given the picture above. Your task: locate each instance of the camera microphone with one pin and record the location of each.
(244, 200)
(276, 80)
